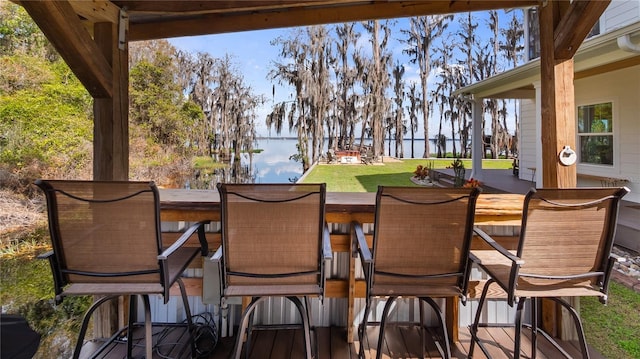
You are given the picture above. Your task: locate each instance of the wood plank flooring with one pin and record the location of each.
(401, 341)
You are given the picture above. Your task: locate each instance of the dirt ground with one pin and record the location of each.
(17, 214)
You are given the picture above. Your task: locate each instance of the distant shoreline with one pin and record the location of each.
(295, 138)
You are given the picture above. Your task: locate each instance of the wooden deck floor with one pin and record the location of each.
(401, 341)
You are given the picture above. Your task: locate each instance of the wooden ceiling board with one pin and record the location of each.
(166, 19)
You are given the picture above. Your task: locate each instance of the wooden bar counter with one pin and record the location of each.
(492, 210)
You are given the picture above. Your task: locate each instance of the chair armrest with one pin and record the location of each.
(199, 226)
(362, 246)
(45, 255)
(58, 280)
(327, 252)
(495, 245)
(217, 256)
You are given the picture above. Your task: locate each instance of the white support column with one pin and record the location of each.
(477, 139)
(537, 174)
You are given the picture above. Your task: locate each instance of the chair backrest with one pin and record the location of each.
(104, 231)
(422, 235)
(569, 231)
(272, 233)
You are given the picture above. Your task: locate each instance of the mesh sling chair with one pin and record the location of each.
(563, 251)
(106, 242)
(420, 249)
(274, 244)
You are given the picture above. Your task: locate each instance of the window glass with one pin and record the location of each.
(595, 133)
(533, 34)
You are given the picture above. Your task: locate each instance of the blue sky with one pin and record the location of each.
(253, 55)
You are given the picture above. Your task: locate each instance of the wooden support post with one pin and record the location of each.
(111, 121)
(557, 102)
(452, 315)
(558, 118)
(111, 148)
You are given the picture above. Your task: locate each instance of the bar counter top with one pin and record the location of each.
(490, 208)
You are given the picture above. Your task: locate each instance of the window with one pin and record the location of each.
(595, 133)
(595, 30)
(533, 34)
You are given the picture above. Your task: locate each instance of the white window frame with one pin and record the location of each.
(594, 168)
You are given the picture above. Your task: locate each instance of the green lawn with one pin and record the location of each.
(613, 329)
(361, 178)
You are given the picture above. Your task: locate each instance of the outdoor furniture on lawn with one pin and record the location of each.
(348, 156)
(274, 244)
(366, 155)
(420, 249)
(106, 242)
(564, 250)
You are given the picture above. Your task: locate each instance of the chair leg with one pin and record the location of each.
(534, 327)
(422, 329)
(148, 335)
(133, 300)
(187, 310)
(476, 321)
(247, 342)
(237, 351)
(578, 324)
(85, 323)
(305, 325)
(385, 313)
(307, 307)
(446, 352)
(516, 350)
(362, 329)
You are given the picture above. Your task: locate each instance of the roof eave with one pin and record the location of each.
(517, 82)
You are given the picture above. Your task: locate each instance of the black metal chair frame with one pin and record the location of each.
(61, 272)
(368, 263)
(246, 324)
(603, 272)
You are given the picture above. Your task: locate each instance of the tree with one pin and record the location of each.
(319, 87)
(156, 100)
(345, 77)
(375, 77)
(20, 35)
(424, 30)
(398, 123)
(471, 52)
(234, 107)
(293, 71)
(204, 70)
(414, 103)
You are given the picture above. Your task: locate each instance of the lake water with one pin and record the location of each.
(273, 165)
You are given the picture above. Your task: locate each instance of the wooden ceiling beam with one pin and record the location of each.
(96, 10)
(303, 16)
(61, 25)
(208, 6)
(577, 21)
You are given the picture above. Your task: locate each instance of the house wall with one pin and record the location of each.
(528, 140)
(621, 87)
(618, 14)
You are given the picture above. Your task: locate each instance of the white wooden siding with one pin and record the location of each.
(619, 13)
(528, 139)
(622, 87)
